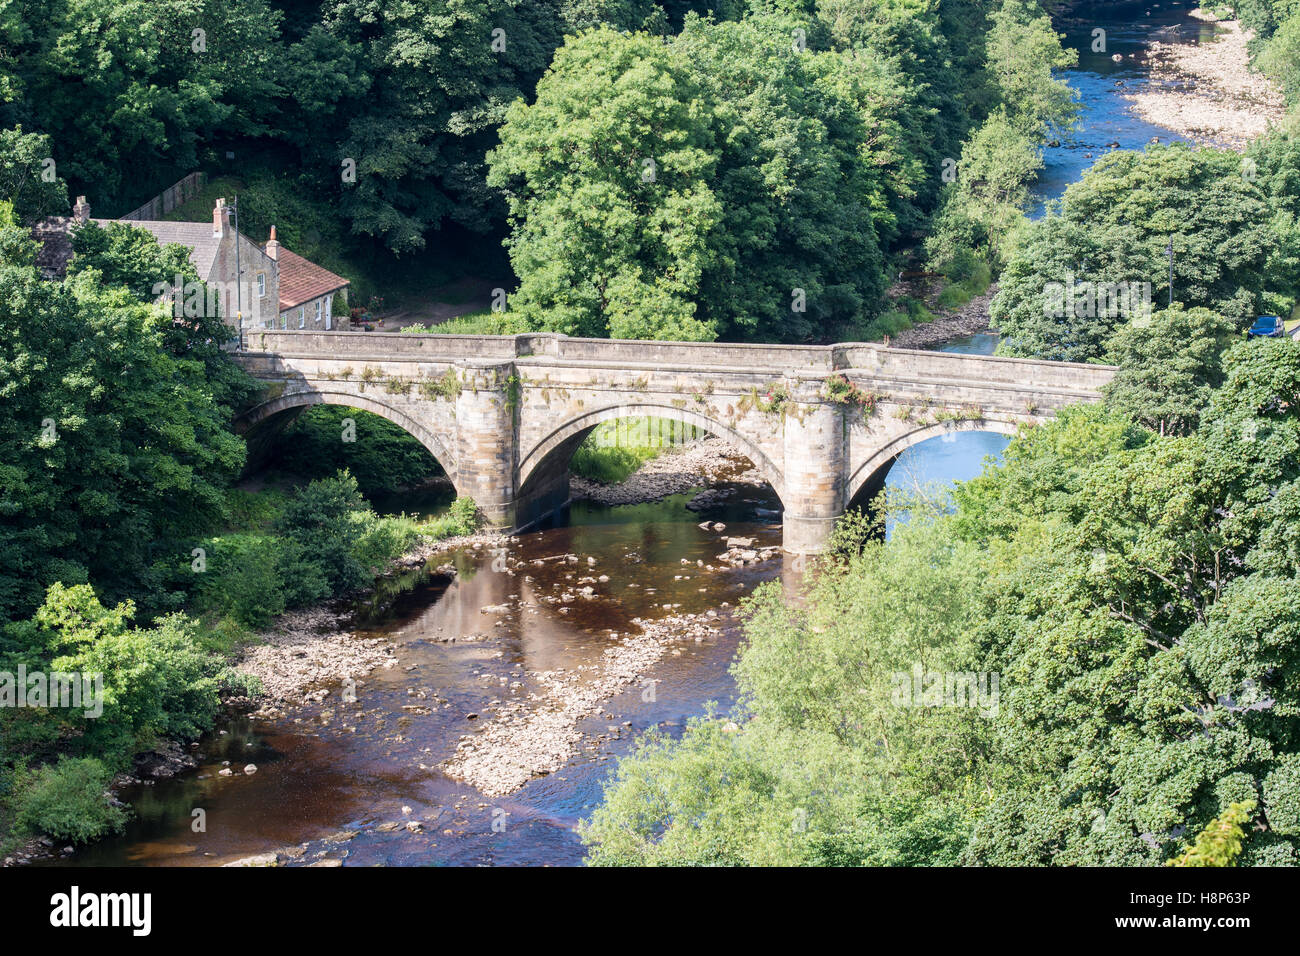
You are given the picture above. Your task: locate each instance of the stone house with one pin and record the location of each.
(279, 289)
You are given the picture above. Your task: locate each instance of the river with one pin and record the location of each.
(358, 784)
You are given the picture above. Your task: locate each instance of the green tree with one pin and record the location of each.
(1169, 366)
(114, 451)
(607, 177)
(1113, 226)
(1219, 844)
(26, 178)
(319, 519)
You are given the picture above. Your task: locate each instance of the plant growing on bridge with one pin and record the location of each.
(772, 400)
(514, 392)
(397, 386)
(447, 385)
(840, 390)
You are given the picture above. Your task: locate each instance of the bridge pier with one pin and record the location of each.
(814, 472)
(486, 439)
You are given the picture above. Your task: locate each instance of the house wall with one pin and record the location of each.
(335, 303)
(258, 310)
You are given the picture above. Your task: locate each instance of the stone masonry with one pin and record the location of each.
(504, 414)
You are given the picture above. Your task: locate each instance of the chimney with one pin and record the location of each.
(272, 247)
(220, 218)
(81, 211)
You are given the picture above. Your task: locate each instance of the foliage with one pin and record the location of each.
(840, 390)
(114, 447)
(1169, 366)
(984, 205)
(25, 176)
(716, 184)
(610, 464)
(1219, 844)
(383, 458)
(1113, 226)
(1137, 596)
(799, 775)
(478, 323)
(66, 801)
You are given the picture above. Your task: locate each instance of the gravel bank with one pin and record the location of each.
(1208, 92)
(539, 735)
(308, 648)
(702, 462)
(971, 319)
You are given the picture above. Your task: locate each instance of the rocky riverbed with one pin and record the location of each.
(541, 734)
(1208, 92)
(948, 324)
(705, 461)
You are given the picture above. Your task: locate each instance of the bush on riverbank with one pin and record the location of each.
(165, 681)
(154, 683)
(321, 541)
(615, 450)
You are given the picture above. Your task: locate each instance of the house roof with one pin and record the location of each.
(55, 238)
(301, 280)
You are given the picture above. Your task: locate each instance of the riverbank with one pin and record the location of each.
(1208, 92)
(948, 324)
(705, 461)
(314, 646)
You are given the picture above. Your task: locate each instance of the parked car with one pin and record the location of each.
(1266, 326)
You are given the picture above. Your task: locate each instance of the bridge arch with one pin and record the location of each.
(565, 439)
(869, 477)
(249, 420)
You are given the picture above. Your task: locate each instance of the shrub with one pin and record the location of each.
(66, 801)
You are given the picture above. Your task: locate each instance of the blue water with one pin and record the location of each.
(1107, 118)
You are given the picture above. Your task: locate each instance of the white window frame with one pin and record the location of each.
(261, 285)
(319, 311)
(302, 317)
(284, 320)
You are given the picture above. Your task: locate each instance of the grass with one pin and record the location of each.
(475, 323)
(616, 450)
(960, 291)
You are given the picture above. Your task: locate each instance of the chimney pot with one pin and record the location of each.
(272, 247)
(220, 216)
(81, 211)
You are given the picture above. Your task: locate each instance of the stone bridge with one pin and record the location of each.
(504, 414)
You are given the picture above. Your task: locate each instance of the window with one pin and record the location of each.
(302, 317)
(318, 312)
(261, 285)
(284, 320)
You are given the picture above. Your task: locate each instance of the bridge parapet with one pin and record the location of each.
(864, 357)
